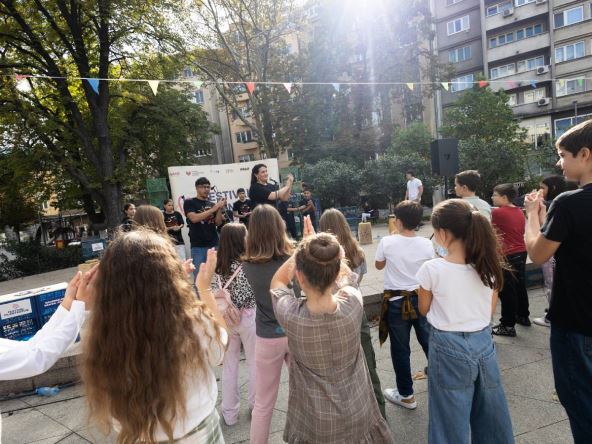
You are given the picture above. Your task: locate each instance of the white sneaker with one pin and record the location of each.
(393, 396)
(543, 321)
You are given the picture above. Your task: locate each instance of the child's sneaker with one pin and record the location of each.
(394, 396)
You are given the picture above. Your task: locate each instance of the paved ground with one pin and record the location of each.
(524, 360)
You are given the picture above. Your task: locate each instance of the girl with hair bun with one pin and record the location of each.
(331, 398)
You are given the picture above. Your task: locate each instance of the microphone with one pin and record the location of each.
(272, 181)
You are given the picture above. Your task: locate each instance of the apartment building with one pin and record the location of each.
(538, 51)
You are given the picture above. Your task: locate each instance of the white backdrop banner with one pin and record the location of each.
(226, 179)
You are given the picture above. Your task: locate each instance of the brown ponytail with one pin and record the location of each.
(482, 249)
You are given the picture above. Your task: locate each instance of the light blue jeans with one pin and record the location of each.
(466, 398)
(199, 256)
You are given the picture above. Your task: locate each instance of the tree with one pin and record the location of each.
(336, 183)
(491, 140)
(91, 39)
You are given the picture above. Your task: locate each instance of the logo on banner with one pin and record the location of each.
(15, 309)
(188, 173)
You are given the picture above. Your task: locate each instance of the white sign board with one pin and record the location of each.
(226, 179)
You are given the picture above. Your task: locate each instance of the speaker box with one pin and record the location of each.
(444, 157)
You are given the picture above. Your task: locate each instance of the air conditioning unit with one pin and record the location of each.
(540, 2)
(508, 12)
(542, 70)
(544, 101)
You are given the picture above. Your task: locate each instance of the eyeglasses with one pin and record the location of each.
(204, 186)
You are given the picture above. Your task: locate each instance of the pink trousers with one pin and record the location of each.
(270, 354)
(245, 334)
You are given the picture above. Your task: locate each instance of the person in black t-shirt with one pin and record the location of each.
(203, 216)
(241, 209)
(287, 211)
(307, 208)
(174, 222)
(129, 211)
(262, 192)
(566, 232)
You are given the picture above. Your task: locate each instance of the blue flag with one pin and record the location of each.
(94, 84)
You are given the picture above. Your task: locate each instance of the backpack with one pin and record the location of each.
(230, 313)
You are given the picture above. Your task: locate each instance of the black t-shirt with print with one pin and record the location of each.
(174, 219)
(569, 221)
(259, 194)
(311, 213)
(243, 208)
(202, 234)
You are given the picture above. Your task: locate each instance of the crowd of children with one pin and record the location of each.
(151, 345)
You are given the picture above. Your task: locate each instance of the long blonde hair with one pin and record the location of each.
(140, 346)
(150, 217)
(267, 239)
(333, 221)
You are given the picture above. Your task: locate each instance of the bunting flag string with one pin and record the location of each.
(252, 85)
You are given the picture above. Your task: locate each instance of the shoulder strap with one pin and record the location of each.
(233, 276)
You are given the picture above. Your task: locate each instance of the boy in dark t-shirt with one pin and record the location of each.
(174, 222)
(203, 216)
(566, 232)
(241, 209)
(307, 208)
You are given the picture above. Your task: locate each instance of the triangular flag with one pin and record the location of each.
(581, 83)
(483, 83)
(445, 85)
(154, 85)
(94, 84)
(198, 84)
(533, 83)
(250, 87)
(511, 84)
(410, 85)
(336, 86)
(20, 77)
(561, 83)
(288, 87)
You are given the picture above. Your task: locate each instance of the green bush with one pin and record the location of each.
(34, 258)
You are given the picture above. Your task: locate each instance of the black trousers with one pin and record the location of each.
(513, 295)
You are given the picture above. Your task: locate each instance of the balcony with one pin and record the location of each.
(519, 47)
(524, 77)
(559, 3)
(526, 109)
(572, 31)
(520, 13)
(567, 101)
(573, 66)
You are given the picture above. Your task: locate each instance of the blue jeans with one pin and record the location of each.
(399, 334)
(466, 398)
(571, 354)
(199, 256)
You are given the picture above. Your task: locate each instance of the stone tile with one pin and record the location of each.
(557, 433)
(409, 426)
(240, 431)
(11, 405)
(91, 434)
(511, 355)
(64, 394)
(533, 381)
(531, 414)
(71, 414)
(30, 425)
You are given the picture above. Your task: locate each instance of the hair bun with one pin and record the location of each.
(324, 249)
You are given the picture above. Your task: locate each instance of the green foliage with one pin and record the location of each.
(414, 139)
(490, 139)
(32, 258)
(337, 184)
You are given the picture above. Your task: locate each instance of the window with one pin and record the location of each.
(520, 34)
(530, 64)
(498, 9)
(459, 54)
(502, 39)
(461, 83)
(458, 25)
(246, 157)
(187, 72)
(502, 71)
(523, 2)
(569, 17)
(569, 52)
(198, 97)
(562, 125)
(512, 99)
(452, 2)
(566, 87)
(534, 95)
(244, 137)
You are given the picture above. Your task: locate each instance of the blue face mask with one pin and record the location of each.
(440, 250)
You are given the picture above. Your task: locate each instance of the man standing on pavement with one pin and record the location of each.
(465, 187)
(203, 216)
(241, 209)
(414, 187)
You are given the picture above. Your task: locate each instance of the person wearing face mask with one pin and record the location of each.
(402, 254)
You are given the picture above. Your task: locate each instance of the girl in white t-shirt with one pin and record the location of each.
(458, 294)
(151, 345)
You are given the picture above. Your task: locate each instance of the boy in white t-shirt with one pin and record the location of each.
(414, 187)
(403, 254)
